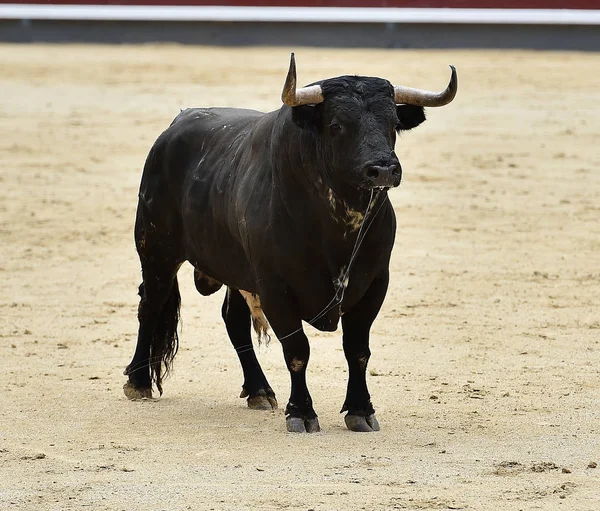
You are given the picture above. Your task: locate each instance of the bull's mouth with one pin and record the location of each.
(369, 185)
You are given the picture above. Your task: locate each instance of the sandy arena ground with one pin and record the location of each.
(486, 358)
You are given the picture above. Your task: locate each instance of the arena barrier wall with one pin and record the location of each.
(541, 24)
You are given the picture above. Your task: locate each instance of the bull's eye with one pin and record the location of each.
(398, 126)
(335, 128)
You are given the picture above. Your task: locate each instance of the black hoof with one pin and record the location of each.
(262, 400)
(135, 393)
(361, 424)
(300, 425)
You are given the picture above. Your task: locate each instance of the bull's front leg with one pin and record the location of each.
(287, 325)
(300, 414)
(356, 324)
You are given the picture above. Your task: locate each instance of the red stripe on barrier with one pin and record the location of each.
(465, 4)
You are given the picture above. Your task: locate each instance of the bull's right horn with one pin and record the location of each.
(410, 96)
(303, 96)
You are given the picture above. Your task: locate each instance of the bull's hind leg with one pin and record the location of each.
(158, 311)
(158, 315)
(237, 320)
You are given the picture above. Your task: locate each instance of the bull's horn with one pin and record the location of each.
(410, 96)
(303, 96)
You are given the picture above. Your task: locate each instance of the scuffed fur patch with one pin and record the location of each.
(343, 213)
(259, 321)
(353, 218)
(297, 365)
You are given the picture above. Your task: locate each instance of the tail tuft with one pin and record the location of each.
(165, 341)
(259, 320)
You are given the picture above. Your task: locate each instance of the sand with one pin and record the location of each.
(486, 358)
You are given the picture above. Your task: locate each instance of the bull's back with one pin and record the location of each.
(201, 139)
(191, 178)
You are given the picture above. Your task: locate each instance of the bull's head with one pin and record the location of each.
(356, 120)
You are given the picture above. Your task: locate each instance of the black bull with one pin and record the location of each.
(290, 211)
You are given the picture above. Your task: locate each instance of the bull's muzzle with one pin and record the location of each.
(383, 176)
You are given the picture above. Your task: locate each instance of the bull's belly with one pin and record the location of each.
(327, 322)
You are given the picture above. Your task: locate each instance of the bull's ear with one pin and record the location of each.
(305, 116)
(410, 116)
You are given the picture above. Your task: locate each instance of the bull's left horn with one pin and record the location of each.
(410, 96)
(303, 96)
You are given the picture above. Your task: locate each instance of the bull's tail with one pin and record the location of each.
(165, 341)
(259, 320)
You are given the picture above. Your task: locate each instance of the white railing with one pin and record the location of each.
(300, 14)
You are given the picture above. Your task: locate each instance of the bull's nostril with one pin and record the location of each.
(372, 172)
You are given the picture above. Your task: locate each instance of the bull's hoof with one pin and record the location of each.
(362, 424)
(262, 403)
(262, 400)
(300, 425)
(134, 393)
